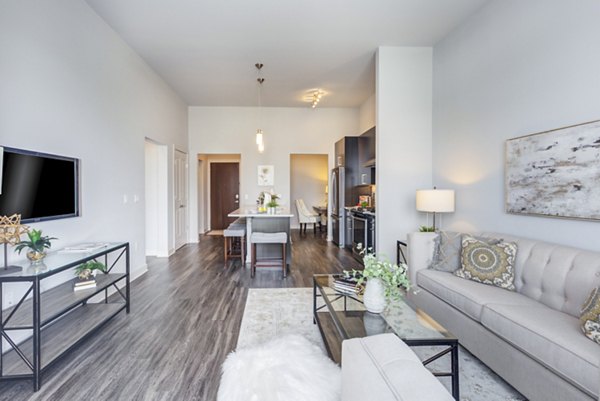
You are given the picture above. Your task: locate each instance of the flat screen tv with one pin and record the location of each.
(38, 186)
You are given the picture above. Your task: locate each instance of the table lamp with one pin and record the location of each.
(435, 201)
(10, 233)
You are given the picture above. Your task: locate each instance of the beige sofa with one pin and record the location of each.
(383, 368)
(531, 337)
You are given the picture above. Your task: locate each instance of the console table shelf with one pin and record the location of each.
(60, 318)
(61, 336)
(57, 301)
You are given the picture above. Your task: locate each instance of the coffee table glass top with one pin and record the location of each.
(351, 319)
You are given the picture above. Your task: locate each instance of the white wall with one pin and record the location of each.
(367, 114)
(309, 174)
(71, 86)
(404, 114)
(287, 131)
(514, 68)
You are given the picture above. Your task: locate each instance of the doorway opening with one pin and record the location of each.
(218, 191)
(308, 185)
(156, 157)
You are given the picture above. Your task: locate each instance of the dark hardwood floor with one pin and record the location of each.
(185, 318)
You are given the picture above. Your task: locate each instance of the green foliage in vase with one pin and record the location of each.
(273, 203)
(394, 277)
(425, 229)
(85, 270)
(36, 242)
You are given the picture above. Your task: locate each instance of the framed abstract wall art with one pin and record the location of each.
(266, 175)
(555, 173)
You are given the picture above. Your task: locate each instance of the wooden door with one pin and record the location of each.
(224, 193)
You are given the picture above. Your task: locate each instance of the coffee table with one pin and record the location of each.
(343, 316)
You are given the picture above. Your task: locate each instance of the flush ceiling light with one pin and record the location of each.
(314, 97)
(259, 132)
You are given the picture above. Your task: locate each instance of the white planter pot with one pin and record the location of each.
(374, 297)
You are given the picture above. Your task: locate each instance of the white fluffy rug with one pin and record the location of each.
(289, 368)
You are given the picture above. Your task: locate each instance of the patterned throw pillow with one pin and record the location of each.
(447, 250)
(491, 264)
(590, 316)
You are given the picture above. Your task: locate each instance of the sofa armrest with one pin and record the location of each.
(420, 253)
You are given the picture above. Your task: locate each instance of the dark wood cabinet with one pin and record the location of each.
(346, 155)
(366, 158)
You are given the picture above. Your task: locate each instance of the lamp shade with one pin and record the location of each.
(435, 200)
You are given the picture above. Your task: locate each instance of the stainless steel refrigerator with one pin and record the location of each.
(338, 191)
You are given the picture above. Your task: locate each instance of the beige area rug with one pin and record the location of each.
(271, 313)
(215, 232)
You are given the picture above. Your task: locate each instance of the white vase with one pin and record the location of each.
(374, 297)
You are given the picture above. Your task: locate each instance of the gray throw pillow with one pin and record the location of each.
(448, 248)
(446, 255)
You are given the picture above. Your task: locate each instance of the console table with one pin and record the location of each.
(60, 318)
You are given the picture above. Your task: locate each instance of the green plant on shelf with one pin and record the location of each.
(37, 245)
(425, 229)
(273, 203)
(85, 270)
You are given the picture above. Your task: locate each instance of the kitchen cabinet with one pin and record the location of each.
(366, 158)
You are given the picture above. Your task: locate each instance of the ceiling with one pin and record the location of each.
(206, 49)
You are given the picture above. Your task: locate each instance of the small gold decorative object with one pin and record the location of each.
(11, 230)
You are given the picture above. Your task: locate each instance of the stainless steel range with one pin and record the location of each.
(363, 232)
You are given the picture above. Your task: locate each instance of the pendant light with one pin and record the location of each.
(259, 132)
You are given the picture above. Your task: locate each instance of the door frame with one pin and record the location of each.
(208, 186)
(160, 195)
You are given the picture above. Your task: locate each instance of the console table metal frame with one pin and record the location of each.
(450, 343)
(78, 301)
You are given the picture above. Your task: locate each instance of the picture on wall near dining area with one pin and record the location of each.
(266, 175)
(555, 173)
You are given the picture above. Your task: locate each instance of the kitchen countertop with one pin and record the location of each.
(250, 211)
(355, 209)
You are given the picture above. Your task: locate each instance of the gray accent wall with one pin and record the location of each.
(512, 69)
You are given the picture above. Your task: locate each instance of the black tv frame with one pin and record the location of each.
(77, 182)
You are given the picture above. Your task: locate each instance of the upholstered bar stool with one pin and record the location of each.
(264, 239)
(235, 232)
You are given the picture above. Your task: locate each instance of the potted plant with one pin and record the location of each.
(384, 281)
(272, 204)
(88, 269)
(37, 245)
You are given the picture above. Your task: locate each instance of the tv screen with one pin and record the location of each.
(38, 186)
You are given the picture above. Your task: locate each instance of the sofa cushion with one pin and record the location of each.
(384, 368)
(467, 296)
(590, 316)
(551, 337)
(488, 264)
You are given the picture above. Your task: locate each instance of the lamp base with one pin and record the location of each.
(10, 270)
